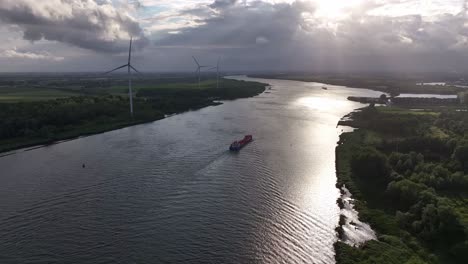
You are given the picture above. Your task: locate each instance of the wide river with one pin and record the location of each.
(171, 192)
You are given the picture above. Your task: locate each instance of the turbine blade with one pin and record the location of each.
(133, 68)
(217, 64)
(130, 51)
(196, 61)
(212, 68)
(118, 68)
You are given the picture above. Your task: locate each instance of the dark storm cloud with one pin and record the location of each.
(223, 3)
(83, 23)
(238, 25)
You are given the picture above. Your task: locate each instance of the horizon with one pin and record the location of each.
(243, 72)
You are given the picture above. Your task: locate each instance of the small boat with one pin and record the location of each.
(324, 88)
(237, 145)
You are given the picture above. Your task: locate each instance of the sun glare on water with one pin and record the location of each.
(320, 103)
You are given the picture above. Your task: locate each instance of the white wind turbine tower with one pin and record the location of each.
(217, 72)
(198, 70)
(129, 70)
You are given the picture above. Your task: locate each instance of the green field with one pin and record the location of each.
(22, 94)
(206, 84)
(406, 111)
(31, 94)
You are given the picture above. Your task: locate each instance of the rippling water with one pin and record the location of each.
(170, 192)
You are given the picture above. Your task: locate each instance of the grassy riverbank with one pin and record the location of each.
(27, 122)
(408, 172)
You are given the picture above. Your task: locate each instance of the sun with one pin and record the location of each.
(335, 8)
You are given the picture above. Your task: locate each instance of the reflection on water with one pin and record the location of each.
(355, 231)
(170, 191)
(321, 103)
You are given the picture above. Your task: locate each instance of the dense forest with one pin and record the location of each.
(408, 171)
(37, 122)
(29, 123)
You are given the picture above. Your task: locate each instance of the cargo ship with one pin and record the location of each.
(237, 145)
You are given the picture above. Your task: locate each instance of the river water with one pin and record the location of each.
(171, 192)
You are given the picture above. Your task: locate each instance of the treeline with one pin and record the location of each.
(411, 185)
(177, 97)
(229, 89)
(400, 125)
(48, 119)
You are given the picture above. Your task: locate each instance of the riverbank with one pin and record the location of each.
(32, 123)
(14, 144)
(392, 86)
(408, 175)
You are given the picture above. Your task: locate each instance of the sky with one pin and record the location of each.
(247, 35)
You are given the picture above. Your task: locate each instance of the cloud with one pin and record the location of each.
(308, 35)
(235, 24)
(86, 24)
(217, 4)
(294, 36)
(13, 53)
(261, 40)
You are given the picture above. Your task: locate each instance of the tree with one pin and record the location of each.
(383, 97)
(405, 192)
(370, 164)
(461, 154)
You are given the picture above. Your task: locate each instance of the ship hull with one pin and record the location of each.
(238, 145)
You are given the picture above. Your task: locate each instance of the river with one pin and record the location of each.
(171, 192)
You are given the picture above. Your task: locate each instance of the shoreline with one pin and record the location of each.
(388, 90)
(40, 143)
(342, 179)
(369, 164)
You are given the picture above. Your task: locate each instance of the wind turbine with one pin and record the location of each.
(198, 70)
(217, 72)
(129, 68)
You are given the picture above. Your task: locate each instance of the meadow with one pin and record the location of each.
(25, 94)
